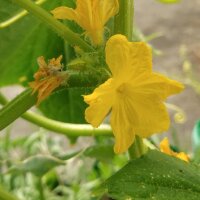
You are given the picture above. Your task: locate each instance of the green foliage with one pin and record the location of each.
(102, 152)
(4, 195)
(155, 176)
(22, 43)
(37, 165)
(66, 174)
(31, 39)
(66, 105)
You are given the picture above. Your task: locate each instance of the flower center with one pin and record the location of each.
(121, 88)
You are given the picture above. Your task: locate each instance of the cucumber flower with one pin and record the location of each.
(165, 148)
(134, 95)
(91, 15)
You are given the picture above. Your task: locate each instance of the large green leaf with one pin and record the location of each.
(66, 105)
(24, 41)
(155, 176)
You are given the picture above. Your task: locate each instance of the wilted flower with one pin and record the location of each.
(48, 77)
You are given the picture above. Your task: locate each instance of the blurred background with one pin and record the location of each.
(179, 43)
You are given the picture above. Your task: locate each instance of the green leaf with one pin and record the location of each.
(23, 42)
(37, 165)
(169, 1)
(51, 179)
(102, 152)
(155, 176)
(4, 195)
(68, 155)
(66, 105)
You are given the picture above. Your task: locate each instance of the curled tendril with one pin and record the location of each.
(179, 116)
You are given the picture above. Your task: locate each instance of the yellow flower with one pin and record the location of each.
(165, 148)
(134, 94)
(47, 78)
(91, 15)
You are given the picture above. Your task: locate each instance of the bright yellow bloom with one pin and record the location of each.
(134, 94)
(47, 78)
(91, 15)
(165, 148)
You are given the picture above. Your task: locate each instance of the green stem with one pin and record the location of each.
(40, 189)
(16, 107)
(56, 25)
(26, 100)
(123, 22)
(138, 148)
(73, 130)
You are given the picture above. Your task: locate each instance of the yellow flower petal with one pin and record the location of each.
(100, 102)
(157, 84)
(121, 126)
(140, 58)
(132, 57)
(146, 93)
(91, 15)
(117, 55)
(165, 148)
(109, 9)
(64, 13)
(183, 156)
(150, 115)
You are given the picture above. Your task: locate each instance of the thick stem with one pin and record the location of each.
(24, 101)
(73, 130)
(56, 25)
(15, 108)
(123, 22)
